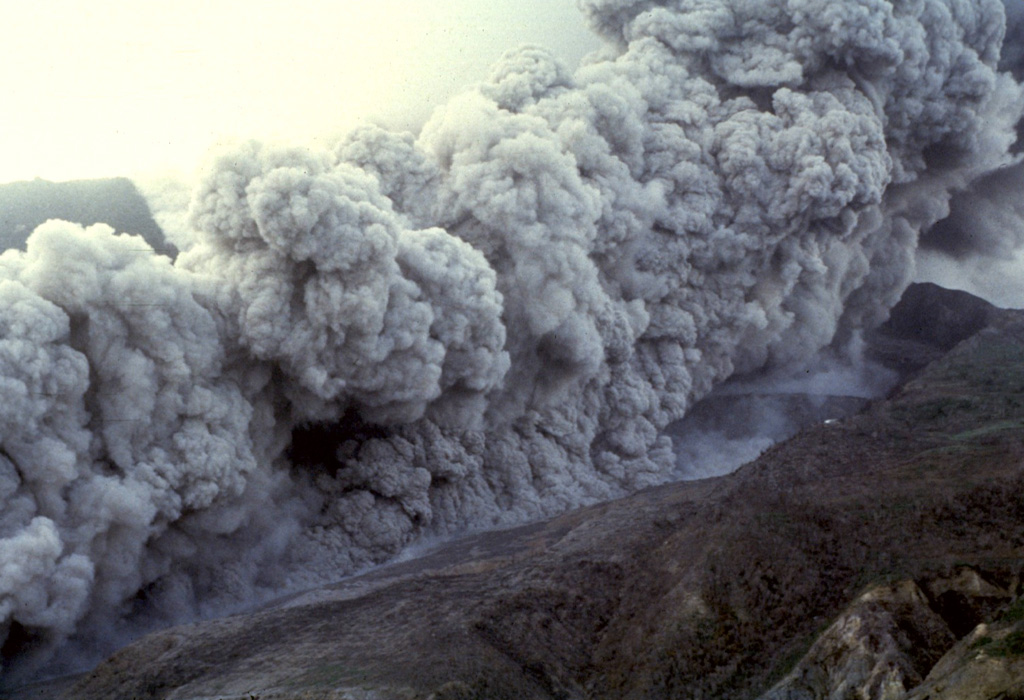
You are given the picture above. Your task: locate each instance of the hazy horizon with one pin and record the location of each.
(121, 89)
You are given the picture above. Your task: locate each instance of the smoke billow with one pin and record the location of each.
(491, 321)
(977, 247)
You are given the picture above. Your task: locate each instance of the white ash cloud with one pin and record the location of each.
(318, 275)
(168, 197)
(999, 281)
(978, 245)
(492, 321)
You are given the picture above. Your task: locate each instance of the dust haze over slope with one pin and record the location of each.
(491, 321)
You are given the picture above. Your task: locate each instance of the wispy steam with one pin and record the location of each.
(492, 321)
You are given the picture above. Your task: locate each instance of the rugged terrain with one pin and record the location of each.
(878, 556)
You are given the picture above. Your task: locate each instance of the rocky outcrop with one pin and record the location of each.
(894, 636)
(884, 644)
(988, 664)
(846, 562)
(928, 322)
(938, 317)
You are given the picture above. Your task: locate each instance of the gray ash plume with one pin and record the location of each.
(493, 320)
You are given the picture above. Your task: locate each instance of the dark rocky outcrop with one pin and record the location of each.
(938, 316)
(988, 664)
(889, 640)
(928, 321)
(880, 556)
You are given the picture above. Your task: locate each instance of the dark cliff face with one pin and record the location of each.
(905, 521)
(941, 318)
(927, 322)
(113, 201)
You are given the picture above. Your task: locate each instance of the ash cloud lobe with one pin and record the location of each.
(491, 321)
(984, 231)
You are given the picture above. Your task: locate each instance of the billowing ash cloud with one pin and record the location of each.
(1012, 57)
(984, 231)
(987, 217)
(492, 321)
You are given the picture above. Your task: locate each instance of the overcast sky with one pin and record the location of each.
(110, 87)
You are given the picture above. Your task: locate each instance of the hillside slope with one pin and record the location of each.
(113, 201)
(861, 556)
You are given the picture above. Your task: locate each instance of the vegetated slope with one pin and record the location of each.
(112, 201)
(722, 588)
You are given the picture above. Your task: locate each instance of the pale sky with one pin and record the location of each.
(98, 88)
